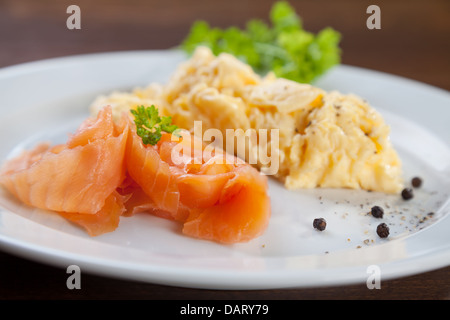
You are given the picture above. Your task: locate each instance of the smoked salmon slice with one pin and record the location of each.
(105, 220)
(104, 171)
(216, 196)
(78, 178)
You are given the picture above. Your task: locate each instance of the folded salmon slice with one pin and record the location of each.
(78, 178)
(104, 171)
(216, 196)
(105, 220)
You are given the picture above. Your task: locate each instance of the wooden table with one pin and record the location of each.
(413, 42)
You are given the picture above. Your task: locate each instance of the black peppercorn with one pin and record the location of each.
(407, 194)
(319, 224)
(377, 212)
(416, 182)
(383, 230)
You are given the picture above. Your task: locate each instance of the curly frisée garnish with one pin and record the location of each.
(149, 124)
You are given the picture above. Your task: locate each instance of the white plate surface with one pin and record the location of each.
(48, 99)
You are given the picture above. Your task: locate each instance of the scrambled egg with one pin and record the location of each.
(326, 139)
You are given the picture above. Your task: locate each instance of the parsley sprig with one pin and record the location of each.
(149, 124)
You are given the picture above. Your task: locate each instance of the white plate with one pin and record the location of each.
(48, 99)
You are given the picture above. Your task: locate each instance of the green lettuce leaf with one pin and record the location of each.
(283, 47)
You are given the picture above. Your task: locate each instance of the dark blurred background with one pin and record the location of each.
(413, 40)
